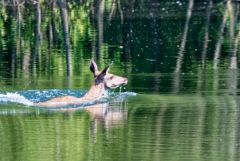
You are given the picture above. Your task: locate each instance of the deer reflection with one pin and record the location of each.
(103, 114)
(107, 114)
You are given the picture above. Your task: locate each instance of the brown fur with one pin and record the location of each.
(103, 81)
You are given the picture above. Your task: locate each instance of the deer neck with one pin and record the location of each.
(96, 91)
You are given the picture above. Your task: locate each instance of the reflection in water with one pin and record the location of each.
(36, 57)
(206, 36)
(233, 69)
(144, 46)
(235, 50)
(182, 47)
(220, 40)
(64, 17)
(96, 29)
(107, 115)
(100, 26)
(165, 127)
(184, 38)
(116, 5)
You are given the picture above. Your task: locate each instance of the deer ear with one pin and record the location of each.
(103, 73)
(105, 70)
(94, 68)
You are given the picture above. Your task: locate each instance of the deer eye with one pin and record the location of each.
(111, 77)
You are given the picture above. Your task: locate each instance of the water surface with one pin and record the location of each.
(181, 59)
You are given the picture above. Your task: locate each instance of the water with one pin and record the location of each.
(181, 60)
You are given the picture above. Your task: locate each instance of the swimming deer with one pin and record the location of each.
(102, 82)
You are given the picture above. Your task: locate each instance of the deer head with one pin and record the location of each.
(109, 80)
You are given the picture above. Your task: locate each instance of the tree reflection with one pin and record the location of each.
(206, 35)
(38, 38)
(145, 42)
(220, 39)
(100, 25)
(64, 17)
(182, 48)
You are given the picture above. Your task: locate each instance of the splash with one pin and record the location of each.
(120, 89)
(15, 98)
(30, 97)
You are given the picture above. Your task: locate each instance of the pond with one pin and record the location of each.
(181, 60)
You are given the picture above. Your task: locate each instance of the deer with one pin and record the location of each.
(103, 81)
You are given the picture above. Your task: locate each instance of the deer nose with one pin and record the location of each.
(125, 81)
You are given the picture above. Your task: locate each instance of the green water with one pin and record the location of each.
(180, 57)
